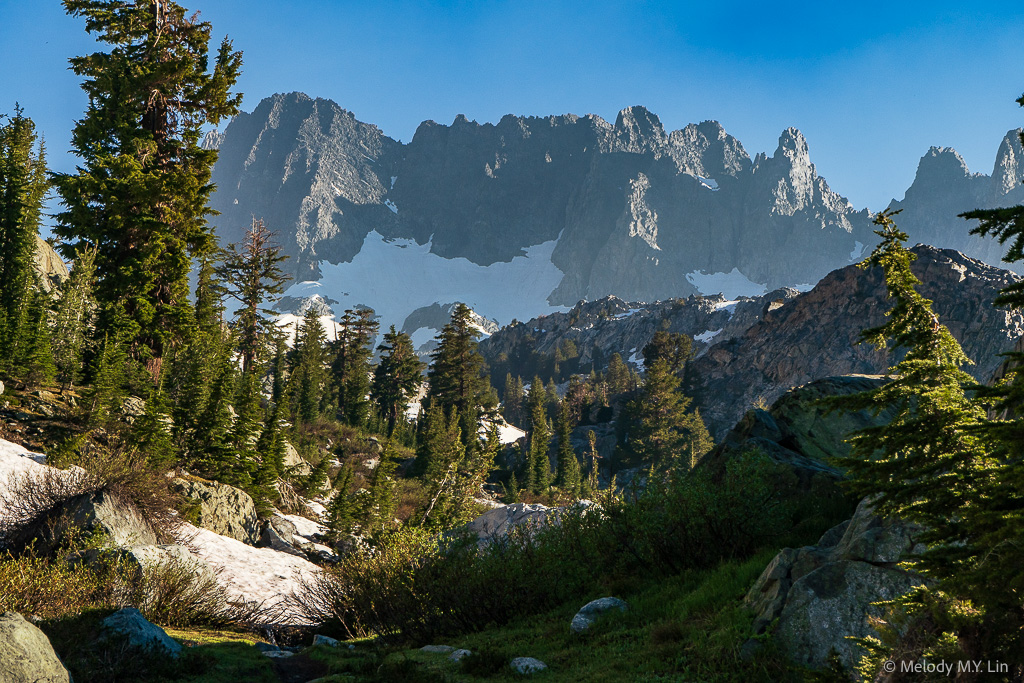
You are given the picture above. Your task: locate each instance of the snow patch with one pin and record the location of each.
(393, 179)
(709, 183)
(707, 336)
(252, 574)
(289, 323)
(630, 312)
(726, 306)
(730, 285)
(396, 276)
(858, 251)
(391, 205)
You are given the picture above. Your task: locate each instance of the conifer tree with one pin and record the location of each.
(381, 501)
(23, 186)
(34, 355)
(456, 371)
(568, 478)
(931, 464)
(76, 306)
(618, 375)
(351, 366)
(309, 372)
(443, 452)
(396, 378)
(109, 379)
(512, 400)
(151, 432)
(254, 278)
(341, 513)
(141, 189)
(663, 433)
(593, 482)
(210, 450)
(674, 348)
(540, 439)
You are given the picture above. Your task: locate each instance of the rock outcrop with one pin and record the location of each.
(820, 596)
(223, 509)
(98, 514)
(134, 629)
(26, 655)
(816, 334)
(501, 520)
(49, 266)
(584, 619)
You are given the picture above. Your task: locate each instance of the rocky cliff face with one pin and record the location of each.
(944, 188)
(582, 207)
(815, 335)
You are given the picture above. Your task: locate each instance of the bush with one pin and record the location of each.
(416, 587)
(31, 500)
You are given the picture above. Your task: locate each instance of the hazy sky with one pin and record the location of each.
(872, 85)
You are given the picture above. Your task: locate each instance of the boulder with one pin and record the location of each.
(822, 595)
(139, 557)
(98, 513)
(437, 649)
(130, 625)
(26, 655)
(500, 520)
(293, 462)
(589, 612)
(280, 534)
(459, 655)
(527, 665)
(223, 509)
(325, 640)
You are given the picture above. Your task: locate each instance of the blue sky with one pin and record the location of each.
(872, 85)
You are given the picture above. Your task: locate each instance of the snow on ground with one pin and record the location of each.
(730, 285)
(706, 337)
(509, 434)
(709, 183)
(637, 358)
(727, 306)
(253, 574)
(17, 459)
(306, 528)
(630, 312)
(396, 276)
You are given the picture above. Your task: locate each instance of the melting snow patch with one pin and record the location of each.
(289, 324)
(393, 179)
(632, 311)
(252, 574)
(727, 306)
(709, 183)
(706, 337)
(391, 205)
(730, 285)
(858, 250)
(397, 277)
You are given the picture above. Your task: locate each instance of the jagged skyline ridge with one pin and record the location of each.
(828, 71)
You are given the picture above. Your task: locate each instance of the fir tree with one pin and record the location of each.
(110, 377)
(540, 439)
(618, 375)
(663, 433)
(674, 348)
(254, 278)
(341, 513)
(513, 399)
(455, 377)
(73, 320)
(381, 501)
(141, 189)
(23, 186)
(351, 366)
(568, 477)
(34, 355)
(151, 431)
(396, 378)
(309, 373)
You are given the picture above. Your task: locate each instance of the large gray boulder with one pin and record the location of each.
(223, 509)
(822, 595)
(102, 514)
(498, 522)
(280, 534)
(26, 655)
(593, 609)
(139, 558)
(137, 631)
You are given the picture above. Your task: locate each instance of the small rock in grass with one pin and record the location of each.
(585, 617)
(325, 640)
(459, 654)
(527, 665)
(139, 632)
(267, 647)
(440, 649)
(278, 654)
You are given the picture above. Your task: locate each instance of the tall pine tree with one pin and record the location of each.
(141, 190)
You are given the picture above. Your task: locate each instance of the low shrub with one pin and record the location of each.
(415, 586)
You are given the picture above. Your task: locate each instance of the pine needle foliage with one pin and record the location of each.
(929, 464)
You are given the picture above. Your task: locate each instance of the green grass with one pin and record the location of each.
(687, 628)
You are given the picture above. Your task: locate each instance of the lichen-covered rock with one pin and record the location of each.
(831, 604)
(280, 534)
(223, 509)
(137, 631)
(101, 515)
(527, 665)
(821, 595)
(589, 612)
(293, 462)
(500, 520)
(26, 655)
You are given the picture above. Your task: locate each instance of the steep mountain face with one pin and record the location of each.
(944, 188)
(815, 335)
(528, 215)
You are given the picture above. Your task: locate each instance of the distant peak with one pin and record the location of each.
(793, 141)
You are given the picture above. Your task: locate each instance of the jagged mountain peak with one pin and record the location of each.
(639, 130)
(1008, 171)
